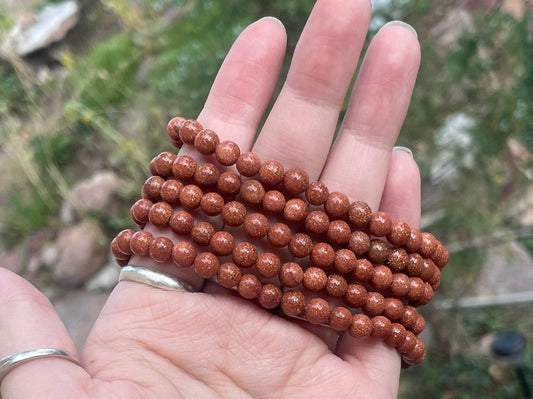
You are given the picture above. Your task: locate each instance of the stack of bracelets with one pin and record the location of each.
(362, 273)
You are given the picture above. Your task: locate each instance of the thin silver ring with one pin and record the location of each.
(152, 278)
(8, 363)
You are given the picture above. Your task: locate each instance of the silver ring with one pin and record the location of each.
(152, 278)
(8, 363)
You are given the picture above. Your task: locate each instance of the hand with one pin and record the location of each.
(151, 343)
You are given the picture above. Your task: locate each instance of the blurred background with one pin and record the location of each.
(86, 89)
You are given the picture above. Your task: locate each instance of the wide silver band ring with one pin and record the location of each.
(152, 278)
(8, 363)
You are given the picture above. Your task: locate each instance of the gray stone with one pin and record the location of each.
(11, 260)
(105, 279)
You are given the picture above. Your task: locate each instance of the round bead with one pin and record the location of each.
(173, 130)
(234, 213)
(183, 254)
(381, 327)
(228, 275)
(336, 285)
(426, 297)
(378, 252)
(345, 261)
(117, 253)
(212, 204)
(163, 164)
(274, 201)
(393, 309)
(181, 222)
(152, 187)
(184, 167)
(441, 256)
(123, 240)
(355, 295)
(434, 281)
(268, 265)
(359, 213)
(202, 232)
(317, 222)
(244, 254)
(416, 289)
(139, 211)
(229, 183)
(159, 214)
(408, 343)
(409, 317)
(317, 193)
(337, 204)
(252, 192)
(428, 245)
(188, 131)
(399, 233)
(152, 168)
(398, 259)
(396, 336)
(399, 285)
(248, 164)
(414, 241)
(170, 191)
(160, 249)
(271, 173)
(206, 175)
(222, 243)
(300, 245)
(427, 269)
(227, 153)
(374, 305)
(293, 303)
(249, 286)
(315, 279)
(270, 296)
(206, 265)
(140, 242)
(295, 210)
(279, 235)
(256, 225)
(417, 354)
(379, 224)
(340, 319)
(290, 274)
(419, 325)
(363, 270)
(381, 278)
(206, 142)
(361, 326)
(317, 311)
(322, 255)
(190, 196)
(296, 181)
(359, 243)
(339, 232)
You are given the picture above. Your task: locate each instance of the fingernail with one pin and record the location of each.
(404, 149)
(272, 19)
(402, 24)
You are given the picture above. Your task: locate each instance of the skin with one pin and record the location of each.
(151, 343)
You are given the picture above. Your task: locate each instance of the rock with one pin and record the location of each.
(105, 279)
(11, 260)
(35, 32)
(82, 251)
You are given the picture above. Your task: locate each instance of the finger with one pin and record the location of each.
(28, 321)
(300, 127)
(375, 115)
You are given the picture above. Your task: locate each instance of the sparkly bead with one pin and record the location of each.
(414, 241)
(417, 354)
(337, 204)
(340, 319)
(363, 270)
(227, 153)
(345, 261)
(322, 255)
(170, 191)
(336, 285)
(379, 224)
(295, 210)
(202, 232)
(434, 281)
(244, 254)
(300, 245)
(408, 343)
(296, 181)
(173, 130)
(274, 201)
(184, 167)
(359, 243)
(252, 192)
(256, 225)
(290, 274)
(123, 240)
(228, 275)
(159, 214)
(339, 232)
(271, 173)
(139, 211)
(183, 254)
(249, 286)
(163, 164)
(359, 213)
(419, 325)
(268, 265)
(152, 167)
(440, 256)
(206, 142)
(248, 164)
(270, 296)
(427, 269)
(317, 193)
(355, 295)
(381, 327)
(212, 204)
(229, 183)
(293, 303)
(393, 309)
(398, 259)
(374, 305)
(234, 213)
(140, 242)
(396, 336)
(400, 284)
(381, 278)
(123, 262)
(279, 235)
(316, 222)
(361, 326)
(206, 265)
(378, 252)
(315, 279)
(416, 289)
(426, 297)
(152, 187)
(190, 196)
(317, 311)
(409, 317)
(428, 245)
(414, 264)
(117, 253)
(160, 249)
(189, 129)
(222, 243)
(399, 233)
(181, 222)
(206, 175)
